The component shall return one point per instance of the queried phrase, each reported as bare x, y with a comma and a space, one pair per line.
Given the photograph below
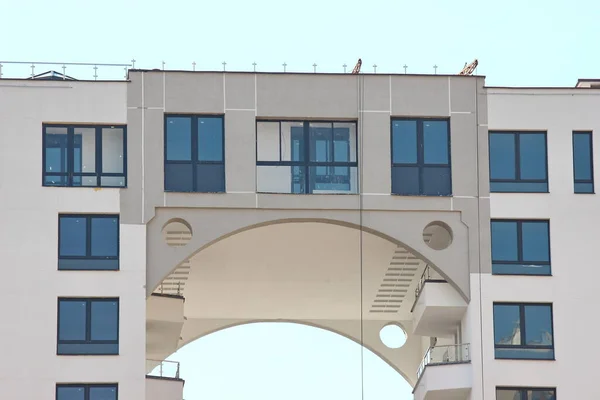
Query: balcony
445, 374
438, 307
163, 382
164, 321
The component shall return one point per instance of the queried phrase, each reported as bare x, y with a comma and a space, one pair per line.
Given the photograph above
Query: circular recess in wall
437, 235
177, 232
393, 336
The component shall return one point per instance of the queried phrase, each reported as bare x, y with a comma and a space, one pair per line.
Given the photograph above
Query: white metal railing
67, 70
164, 368
448, 354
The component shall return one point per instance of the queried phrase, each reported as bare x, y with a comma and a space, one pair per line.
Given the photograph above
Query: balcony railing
67, 71
164, 369
441, 355
429, 275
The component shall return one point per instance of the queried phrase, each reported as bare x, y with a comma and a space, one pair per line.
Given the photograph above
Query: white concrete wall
29, 212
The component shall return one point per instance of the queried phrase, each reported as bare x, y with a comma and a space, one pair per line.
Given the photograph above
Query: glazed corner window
583, 162
92, 156
314, 157
88, 242
421, 157
86, 392
525, 394
520, 247
523, 331
194, 154
518, 162
88, 326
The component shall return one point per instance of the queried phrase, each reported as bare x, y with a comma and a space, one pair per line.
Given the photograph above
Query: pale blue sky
517, 42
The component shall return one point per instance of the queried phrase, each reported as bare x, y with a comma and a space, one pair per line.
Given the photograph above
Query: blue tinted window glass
103, 393
321, 140
179, 139
210, 139
535, 237
507, 327
435, 142
210, 178
540, 395
533, 155
584, 188
436, 181
70, 393
538, 325
72, 237
105, 320
404, 140
582, 156
56, 151
502, 156
341, 145
405, 180
72, 320
105, 237
504, 241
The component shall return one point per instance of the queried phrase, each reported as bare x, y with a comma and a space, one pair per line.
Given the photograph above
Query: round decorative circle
437, 235
177, 232
393, 336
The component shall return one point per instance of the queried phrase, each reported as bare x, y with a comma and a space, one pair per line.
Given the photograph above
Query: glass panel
280, 179
103, 393
292, 141
504, 241
72, 320
321, 142
519, 187
499, 268
508, 394
72, 236
404, 140
105, 236
344, 134
88, 348
179, 177
502, 156
333, 179
84, 150
538, 325
533, 155
210, 178
535, 237
70, 393
54, 180
584, 188
524, 353
113, 158
112, 181
179, 139
56, 150
105, 320
405, 181
507, 325
436, 181
541, 395
210, 139
267, 141
582, 162
435, 142
88, 264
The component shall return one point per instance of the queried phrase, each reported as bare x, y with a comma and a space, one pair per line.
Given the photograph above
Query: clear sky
517, 42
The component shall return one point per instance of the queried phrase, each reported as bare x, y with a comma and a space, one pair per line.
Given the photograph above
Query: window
583, 160
518, 162
89, 156
525, 394
306, 157
88, 326
523, 331
194, 154
521, 247
421, 157
88, 242
86, 392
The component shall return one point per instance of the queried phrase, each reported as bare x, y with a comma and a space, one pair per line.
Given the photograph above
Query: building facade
175, 204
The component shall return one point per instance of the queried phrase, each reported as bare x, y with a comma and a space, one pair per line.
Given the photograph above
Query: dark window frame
591, 150
523, 331
523, 390
194, 162
88, 326
88, 242
306, 163
70, 156
518, 179
420, 164
520, 260
86, 387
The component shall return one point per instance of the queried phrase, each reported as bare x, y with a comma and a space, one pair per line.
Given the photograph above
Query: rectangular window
520, 247
525, 394
421, 157
86, 391
523, 331
194, 154
518, 162
91, 156
583, 162
306, 157
88, 326
88, 242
